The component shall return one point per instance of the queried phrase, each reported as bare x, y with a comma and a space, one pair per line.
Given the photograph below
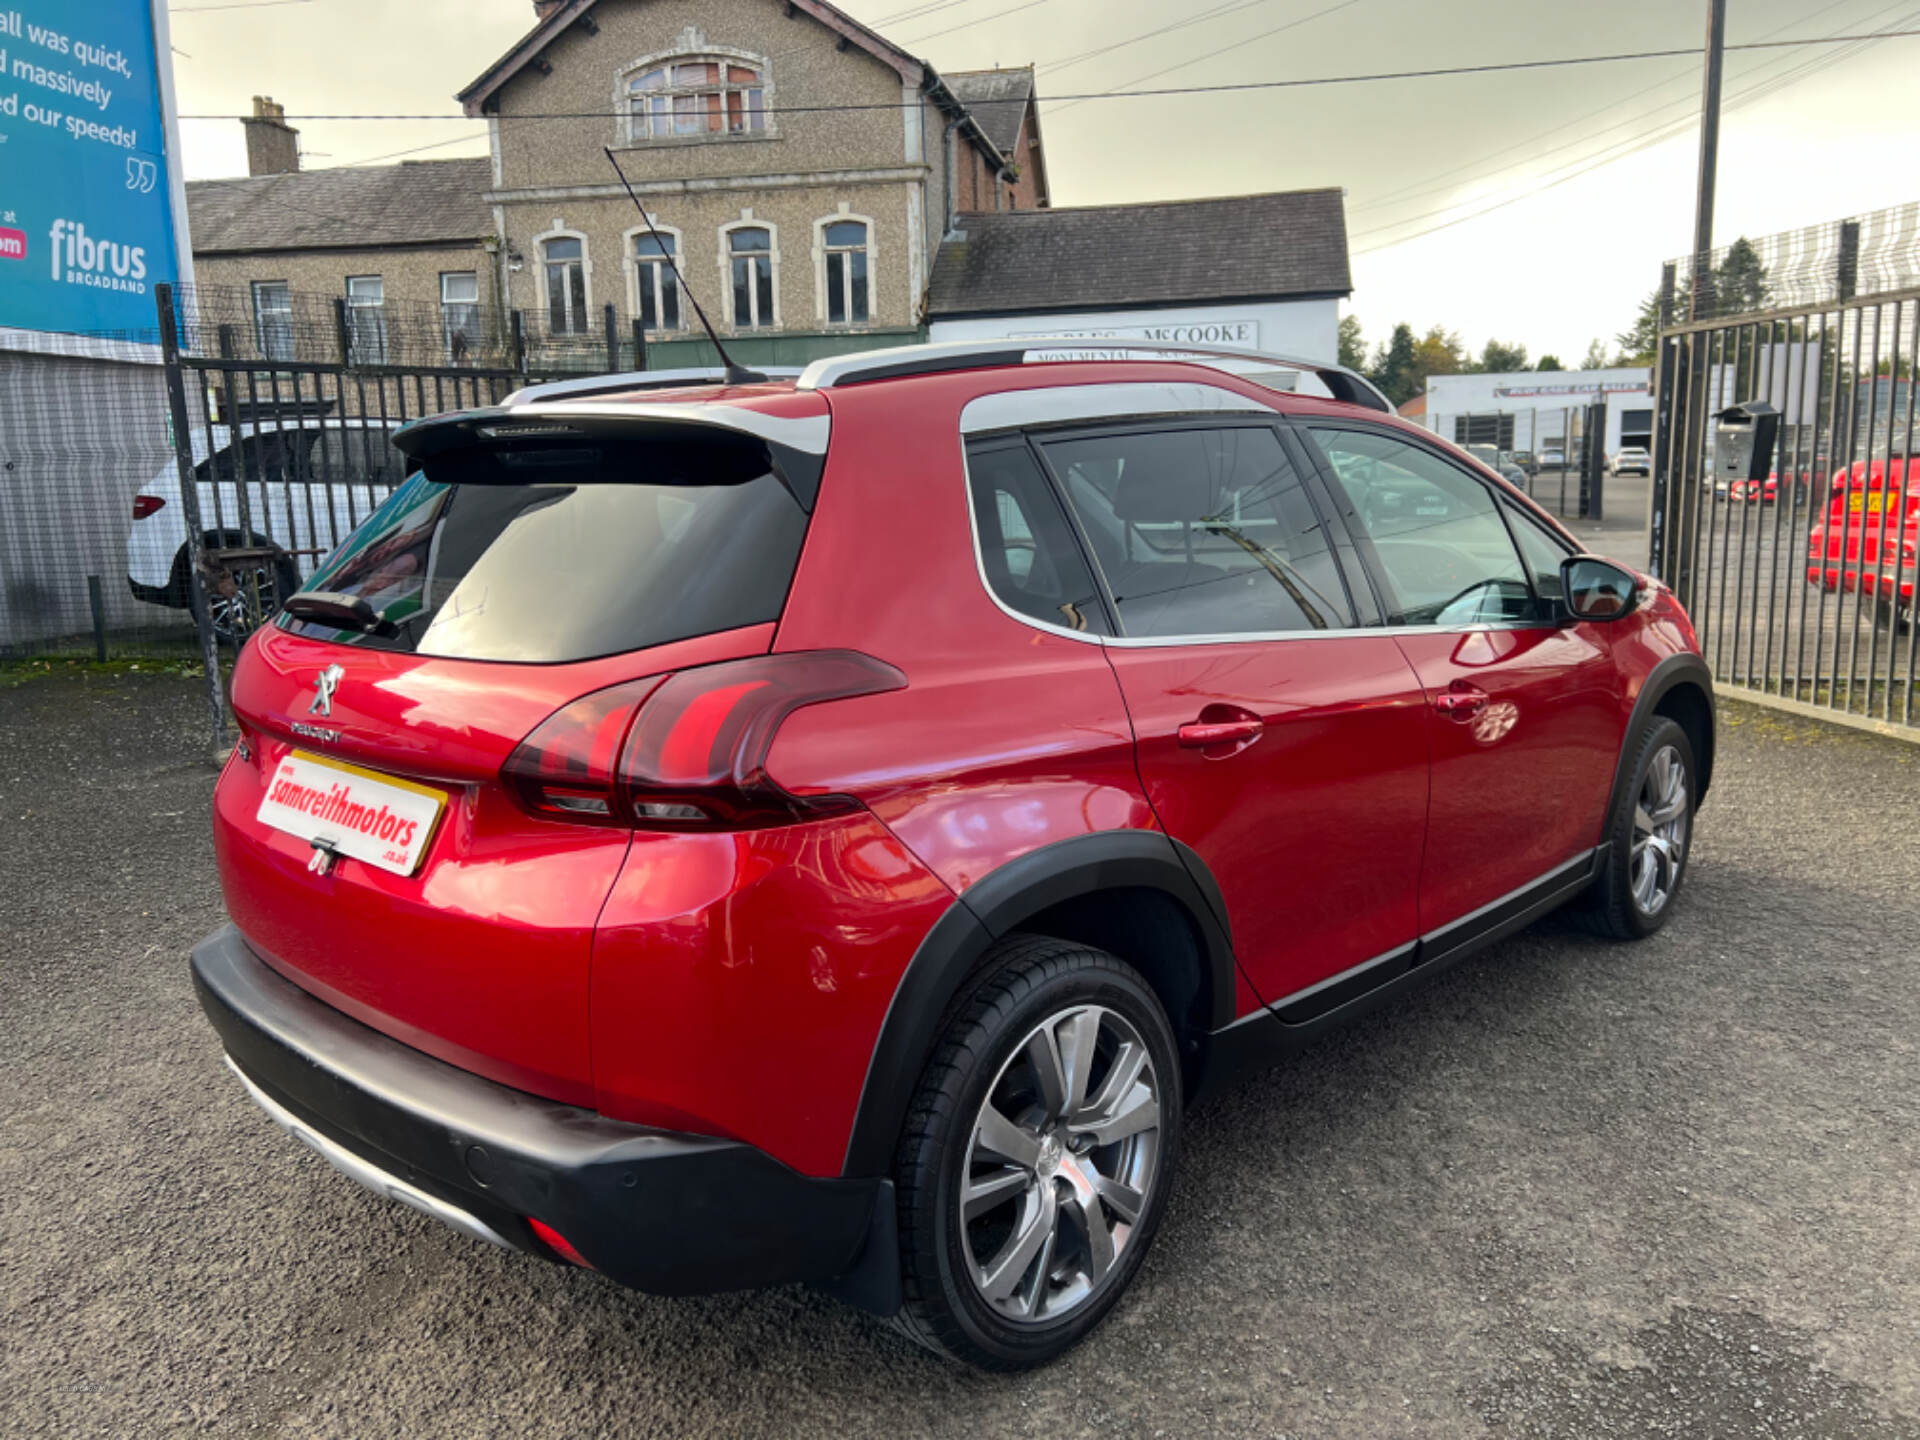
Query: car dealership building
1533, 409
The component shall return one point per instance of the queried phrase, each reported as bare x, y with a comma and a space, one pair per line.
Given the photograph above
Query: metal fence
1555, 454
83, 430
165, 491
1877, 253
1801, 585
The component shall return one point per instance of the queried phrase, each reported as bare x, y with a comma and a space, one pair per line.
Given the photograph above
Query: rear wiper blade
345, 612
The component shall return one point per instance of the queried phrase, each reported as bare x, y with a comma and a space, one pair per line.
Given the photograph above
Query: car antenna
736, 375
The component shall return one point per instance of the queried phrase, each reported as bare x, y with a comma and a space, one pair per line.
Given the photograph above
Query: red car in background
830, 831
1869, 542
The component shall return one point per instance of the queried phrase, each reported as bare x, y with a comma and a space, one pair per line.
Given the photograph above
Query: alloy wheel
254, 600
1061, 1164
1659, 831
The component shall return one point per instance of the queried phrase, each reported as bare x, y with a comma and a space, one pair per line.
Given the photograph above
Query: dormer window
697, 95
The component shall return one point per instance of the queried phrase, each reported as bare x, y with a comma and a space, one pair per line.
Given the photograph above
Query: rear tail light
145, 505
688, 752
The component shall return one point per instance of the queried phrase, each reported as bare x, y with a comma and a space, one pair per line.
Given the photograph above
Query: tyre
1651, 830
246, 594
1037, 1156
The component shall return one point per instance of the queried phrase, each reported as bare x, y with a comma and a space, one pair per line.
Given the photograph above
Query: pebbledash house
819, 188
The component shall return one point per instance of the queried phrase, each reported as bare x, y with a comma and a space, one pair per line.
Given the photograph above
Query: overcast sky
1809, 134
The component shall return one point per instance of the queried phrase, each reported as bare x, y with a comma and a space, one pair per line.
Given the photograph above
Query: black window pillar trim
997, 906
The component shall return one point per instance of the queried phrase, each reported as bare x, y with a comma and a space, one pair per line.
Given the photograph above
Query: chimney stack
273, 146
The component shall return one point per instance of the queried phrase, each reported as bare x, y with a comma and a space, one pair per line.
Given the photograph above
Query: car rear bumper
664, 1212
168, 595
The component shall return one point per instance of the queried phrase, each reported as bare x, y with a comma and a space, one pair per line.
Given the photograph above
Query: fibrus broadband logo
79, 259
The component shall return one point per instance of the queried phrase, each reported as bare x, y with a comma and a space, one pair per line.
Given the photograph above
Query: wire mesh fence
83, 431
1800, 583
1825, 264
142, 519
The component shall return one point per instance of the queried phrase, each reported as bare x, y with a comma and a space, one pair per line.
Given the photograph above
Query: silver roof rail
634, 380
904, 360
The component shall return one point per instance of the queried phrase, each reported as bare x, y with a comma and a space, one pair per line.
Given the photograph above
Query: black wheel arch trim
996, 906
1682, 669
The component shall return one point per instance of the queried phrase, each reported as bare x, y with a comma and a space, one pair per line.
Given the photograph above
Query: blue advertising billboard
87, 195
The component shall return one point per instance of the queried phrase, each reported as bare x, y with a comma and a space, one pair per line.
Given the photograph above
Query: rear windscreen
550, 557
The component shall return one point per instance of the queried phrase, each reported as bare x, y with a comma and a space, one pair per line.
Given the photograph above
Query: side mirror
1597, 589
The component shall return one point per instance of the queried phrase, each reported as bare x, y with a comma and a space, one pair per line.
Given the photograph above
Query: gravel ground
1573, 1189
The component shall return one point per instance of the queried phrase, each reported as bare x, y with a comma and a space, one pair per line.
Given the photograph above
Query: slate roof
408, 204
998, 100
1242, 247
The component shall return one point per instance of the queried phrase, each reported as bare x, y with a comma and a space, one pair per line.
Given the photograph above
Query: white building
1533, 409
1257, 272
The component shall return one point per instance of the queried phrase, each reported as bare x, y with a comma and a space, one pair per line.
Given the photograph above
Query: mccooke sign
1241, 334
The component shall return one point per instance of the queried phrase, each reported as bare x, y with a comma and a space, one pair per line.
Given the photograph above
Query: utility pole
1709, 157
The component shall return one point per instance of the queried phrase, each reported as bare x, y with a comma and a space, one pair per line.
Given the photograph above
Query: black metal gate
280, 456
1801, 585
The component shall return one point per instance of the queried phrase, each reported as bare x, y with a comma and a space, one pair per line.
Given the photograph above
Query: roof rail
904, 360
633, 380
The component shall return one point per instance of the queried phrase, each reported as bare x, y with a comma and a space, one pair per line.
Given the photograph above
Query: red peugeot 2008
830, 831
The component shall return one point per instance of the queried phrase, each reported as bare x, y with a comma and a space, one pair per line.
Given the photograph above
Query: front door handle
1460, 701
1199, 734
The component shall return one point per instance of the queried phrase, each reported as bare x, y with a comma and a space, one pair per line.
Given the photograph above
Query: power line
1621, 149
1239, 87
981, 20
1236, 45
1632, 144
414, 150
1215, 13
1427, 186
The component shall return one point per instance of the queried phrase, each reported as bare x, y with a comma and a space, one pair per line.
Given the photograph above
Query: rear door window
569, 552
1202, 531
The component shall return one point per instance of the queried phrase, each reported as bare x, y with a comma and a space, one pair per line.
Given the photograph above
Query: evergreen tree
1353, 346
1740, 280
1549, 362
1640, 341
1393, 366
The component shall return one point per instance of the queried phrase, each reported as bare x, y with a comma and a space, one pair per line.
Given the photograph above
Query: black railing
1801, 584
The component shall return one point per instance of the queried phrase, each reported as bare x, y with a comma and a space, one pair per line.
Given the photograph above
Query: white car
1553, 459
1632, 460
306, 482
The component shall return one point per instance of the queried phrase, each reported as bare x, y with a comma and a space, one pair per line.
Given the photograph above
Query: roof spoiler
635, 380
796, 445
827, 374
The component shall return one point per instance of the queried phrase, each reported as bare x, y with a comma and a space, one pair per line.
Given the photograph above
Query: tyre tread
1020, 965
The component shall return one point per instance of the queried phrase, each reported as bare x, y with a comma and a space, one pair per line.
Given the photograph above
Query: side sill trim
1264, 1036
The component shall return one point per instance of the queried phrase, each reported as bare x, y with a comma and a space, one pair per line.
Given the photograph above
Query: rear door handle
1198, 734
1461, 701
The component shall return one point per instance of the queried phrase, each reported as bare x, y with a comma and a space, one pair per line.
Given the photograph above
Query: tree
1438, 352
1393, 366
1596, 356
1740, 280
1640, 341
1353, 346
1499, 359
1549, 362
